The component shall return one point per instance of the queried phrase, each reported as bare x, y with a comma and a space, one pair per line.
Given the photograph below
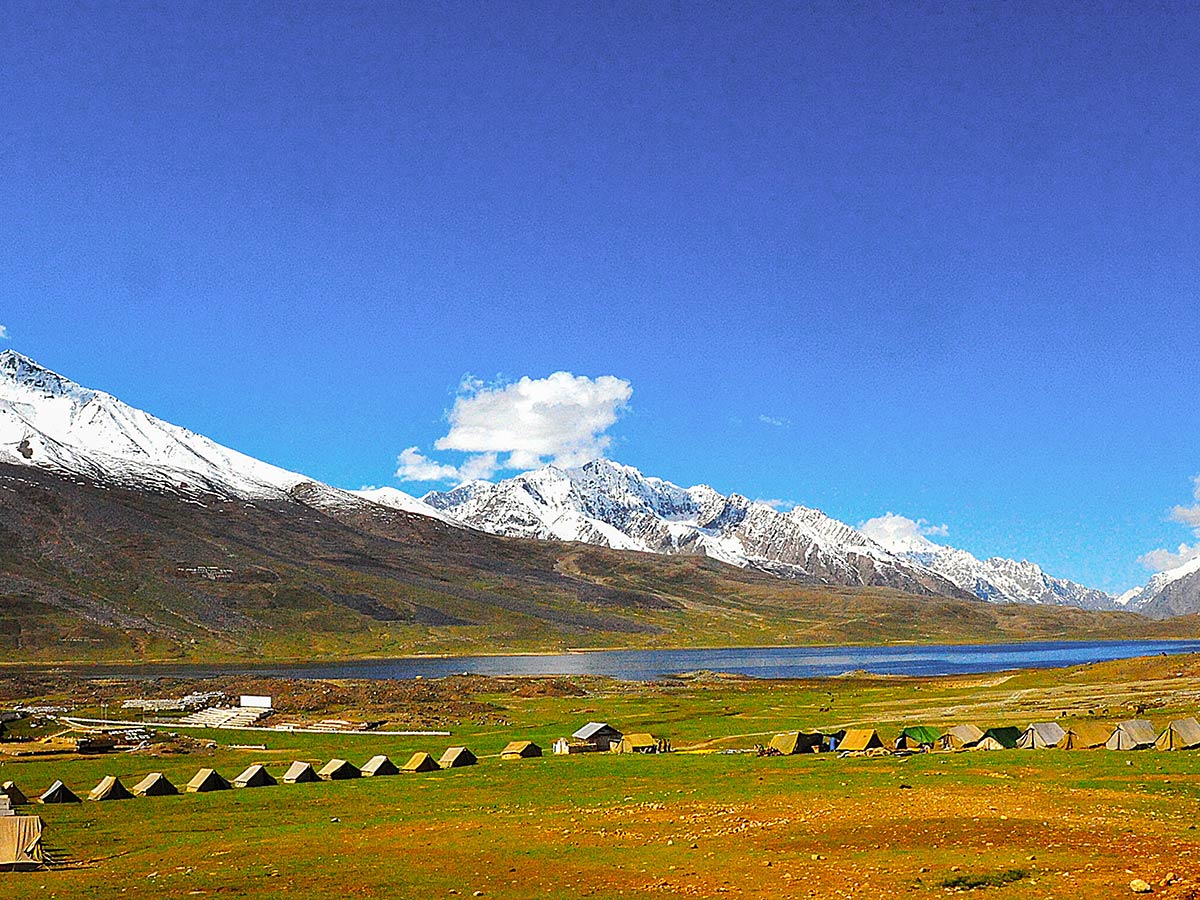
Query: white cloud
900, 533
3, 332
1161, 560
781, 505
414, 466
776, 421
562, 419
1190, 515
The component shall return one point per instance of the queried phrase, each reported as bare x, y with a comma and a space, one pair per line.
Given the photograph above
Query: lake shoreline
768, 663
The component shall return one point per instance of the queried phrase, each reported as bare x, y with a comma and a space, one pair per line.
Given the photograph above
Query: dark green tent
1000, 738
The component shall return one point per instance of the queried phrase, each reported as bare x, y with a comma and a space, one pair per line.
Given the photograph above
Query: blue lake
758, 662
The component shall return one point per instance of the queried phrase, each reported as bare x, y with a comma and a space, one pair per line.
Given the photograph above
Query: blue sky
868, 257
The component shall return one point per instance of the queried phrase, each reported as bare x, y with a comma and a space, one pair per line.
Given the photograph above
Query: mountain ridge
48, 421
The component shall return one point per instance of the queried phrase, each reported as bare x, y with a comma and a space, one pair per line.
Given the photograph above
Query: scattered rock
1140, 887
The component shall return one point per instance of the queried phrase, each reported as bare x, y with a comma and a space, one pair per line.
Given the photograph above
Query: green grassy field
1035, 823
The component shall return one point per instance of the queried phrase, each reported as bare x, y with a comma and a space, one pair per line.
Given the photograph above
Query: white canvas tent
1041, 736
156, 784
1182, 734
21, 843
1133, 734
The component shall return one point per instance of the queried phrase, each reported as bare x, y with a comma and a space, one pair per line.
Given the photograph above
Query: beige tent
339, 770
255, 776
520, 750
58, 793
15, 795
785, 744
206, 780
300, 773
644, 742
1041, 736
1134, 734
1182, 734
20, 842
109, 788
379, 765
860, 740
420, 762
456, 758
960, 737
155, 785
1085, 736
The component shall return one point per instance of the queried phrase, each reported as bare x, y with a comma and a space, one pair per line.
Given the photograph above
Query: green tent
918, 737
1004, 738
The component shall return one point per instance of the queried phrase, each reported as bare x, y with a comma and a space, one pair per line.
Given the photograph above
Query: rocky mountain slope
996, 579
616, 506
1175, 592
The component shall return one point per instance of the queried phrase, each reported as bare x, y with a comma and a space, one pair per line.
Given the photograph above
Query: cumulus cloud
898, 532
776, 421
1161, 560
561, 419
3, 332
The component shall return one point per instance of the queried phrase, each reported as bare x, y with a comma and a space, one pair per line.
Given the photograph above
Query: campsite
711, 817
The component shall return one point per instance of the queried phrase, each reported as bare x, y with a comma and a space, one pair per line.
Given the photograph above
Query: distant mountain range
613, 505
49, 422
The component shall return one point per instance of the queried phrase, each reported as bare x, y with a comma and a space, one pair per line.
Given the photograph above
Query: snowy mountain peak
607, 503
49, 421
20, 374
996, 579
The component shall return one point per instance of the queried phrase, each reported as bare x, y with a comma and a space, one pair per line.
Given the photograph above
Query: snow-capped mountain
51, 422
1175, 592
996, 579
617, 506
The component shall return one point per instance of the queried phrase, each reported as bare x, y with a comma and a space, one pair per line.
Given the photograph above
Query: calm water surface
759, 662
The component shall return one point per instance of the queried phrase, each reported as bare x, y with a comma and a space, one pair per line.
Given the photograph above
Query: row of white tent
156, 784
